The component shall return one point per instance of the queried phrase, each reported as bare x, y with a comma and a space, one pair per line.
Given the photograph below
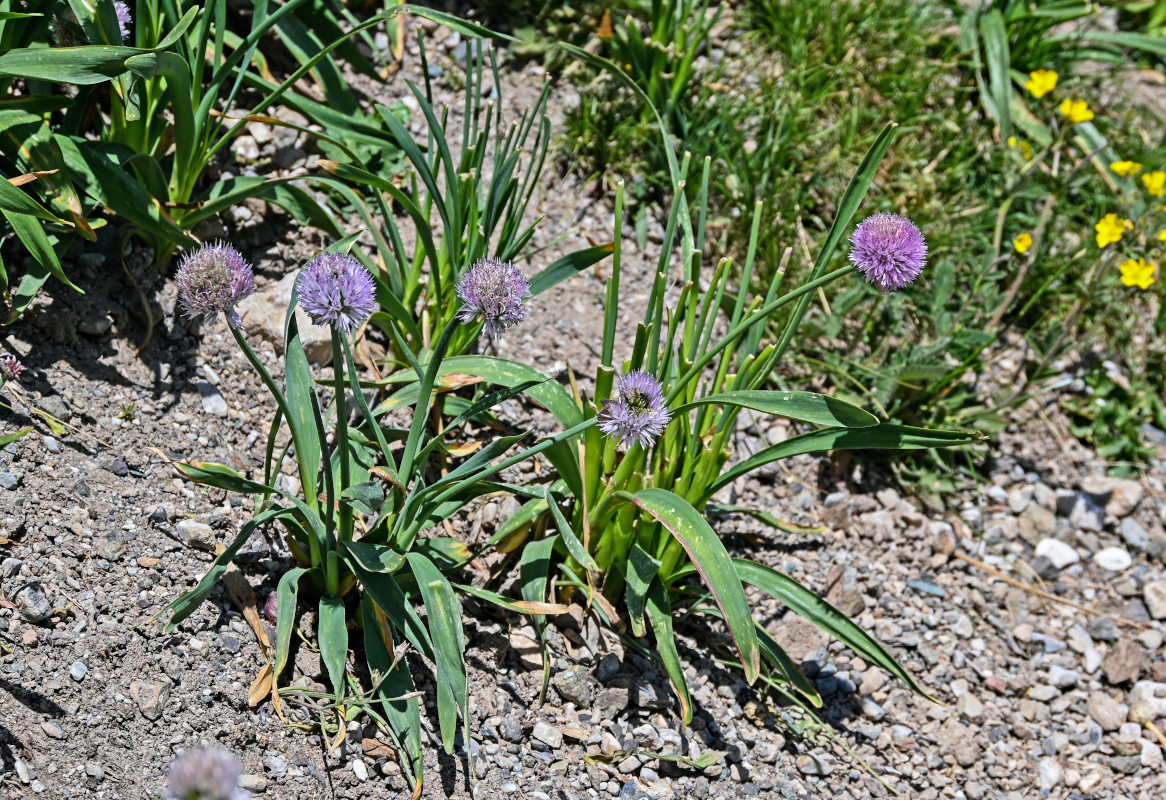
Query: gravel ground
1037, 697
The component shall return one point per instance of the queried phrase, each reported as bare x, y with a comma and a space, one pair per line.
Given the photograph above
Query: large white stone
1057, 552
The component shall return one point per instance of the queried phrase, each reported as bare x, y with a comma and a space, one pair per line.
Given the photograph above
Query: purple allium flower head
337, 290
206, 775
496, 290
10, 368
639, 415
214, 278
888, 250
271, 608
124, 18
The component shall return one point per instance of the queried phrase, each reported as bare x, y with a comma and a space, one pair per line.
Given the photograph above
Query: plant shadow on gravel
33, 701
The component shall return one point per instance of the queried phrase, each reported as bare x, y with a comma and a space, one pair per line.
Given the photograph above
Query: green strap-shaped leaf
445, 626
887, 436
780, 661
808, 605
660, 615
404, 715
388, 596
332, 635
641, 571
372, 557
517, 606
570, 540
812, 407
286, 597
36, 241
712, 561
568, 266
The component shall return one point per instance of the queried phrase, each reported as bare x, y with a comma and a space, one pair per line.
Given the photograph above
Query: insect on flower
639, 415
889, 251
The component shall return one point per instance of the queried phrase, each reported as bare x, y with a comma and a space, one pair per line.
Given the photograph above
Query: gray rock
1043, 693
151, 697
8, 478
1103, 628
1105, 711
32, 603
510, 729
1114, 559
576, 686
1124, 662
196, 534
811, 764
1035, 523
253, 783
1057, 552
1063, 678
213, 402
1134, 534
96, 325
1154, 596
1119, 496
52, 730
870, 709
1083, 512
360, 770
1049, 773
10, 566
78, 671
548, 735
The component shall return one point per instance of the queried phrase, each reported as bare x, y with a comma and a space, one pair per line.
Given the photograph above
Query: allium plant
354, 532
628, 531
214, 278
494, 291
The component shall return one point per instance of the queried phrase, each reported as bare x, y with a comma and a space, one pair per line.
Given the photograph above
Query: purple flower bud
206, 775
888, 250
124, 18
10, 368
337, 290
495, 290
214, 278
639, 415
271, 608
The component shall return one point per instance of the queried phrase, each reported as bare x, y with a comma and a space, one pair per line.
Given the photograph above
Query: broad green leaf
814, 609
404, 715
9, 438
389, 597
996, 51
36, 241
641, 571
303, 406
818, 409
84, 66
221, 477
886, 436
332, 634
711, 560
660, 616
568, 266
372, 557
445, 552
445, 626
13, 199
287, 598
570, 540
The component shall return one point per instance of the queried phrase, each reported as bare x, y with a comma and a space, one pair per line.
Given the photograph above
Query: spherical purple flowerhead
888, 250
495, 290
124, 18
214, 278
639, 415
206, 775
337, 290
10, 368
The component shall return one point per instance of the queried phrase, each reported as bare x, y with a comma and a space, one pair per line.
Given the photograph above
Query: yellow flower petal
1076, 111
1110, 229
1138, 273
1126, 169
1041, 82
1155, 182
1022, 243
1162, 235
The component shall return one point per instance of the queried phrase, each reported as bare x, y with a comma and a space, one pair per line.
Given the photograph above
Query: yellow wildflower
1138, 273
1155, 182
1077, 111
1022, 243
1024, 147
1041, 82
1162, 235
1110, 229
1126, 169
